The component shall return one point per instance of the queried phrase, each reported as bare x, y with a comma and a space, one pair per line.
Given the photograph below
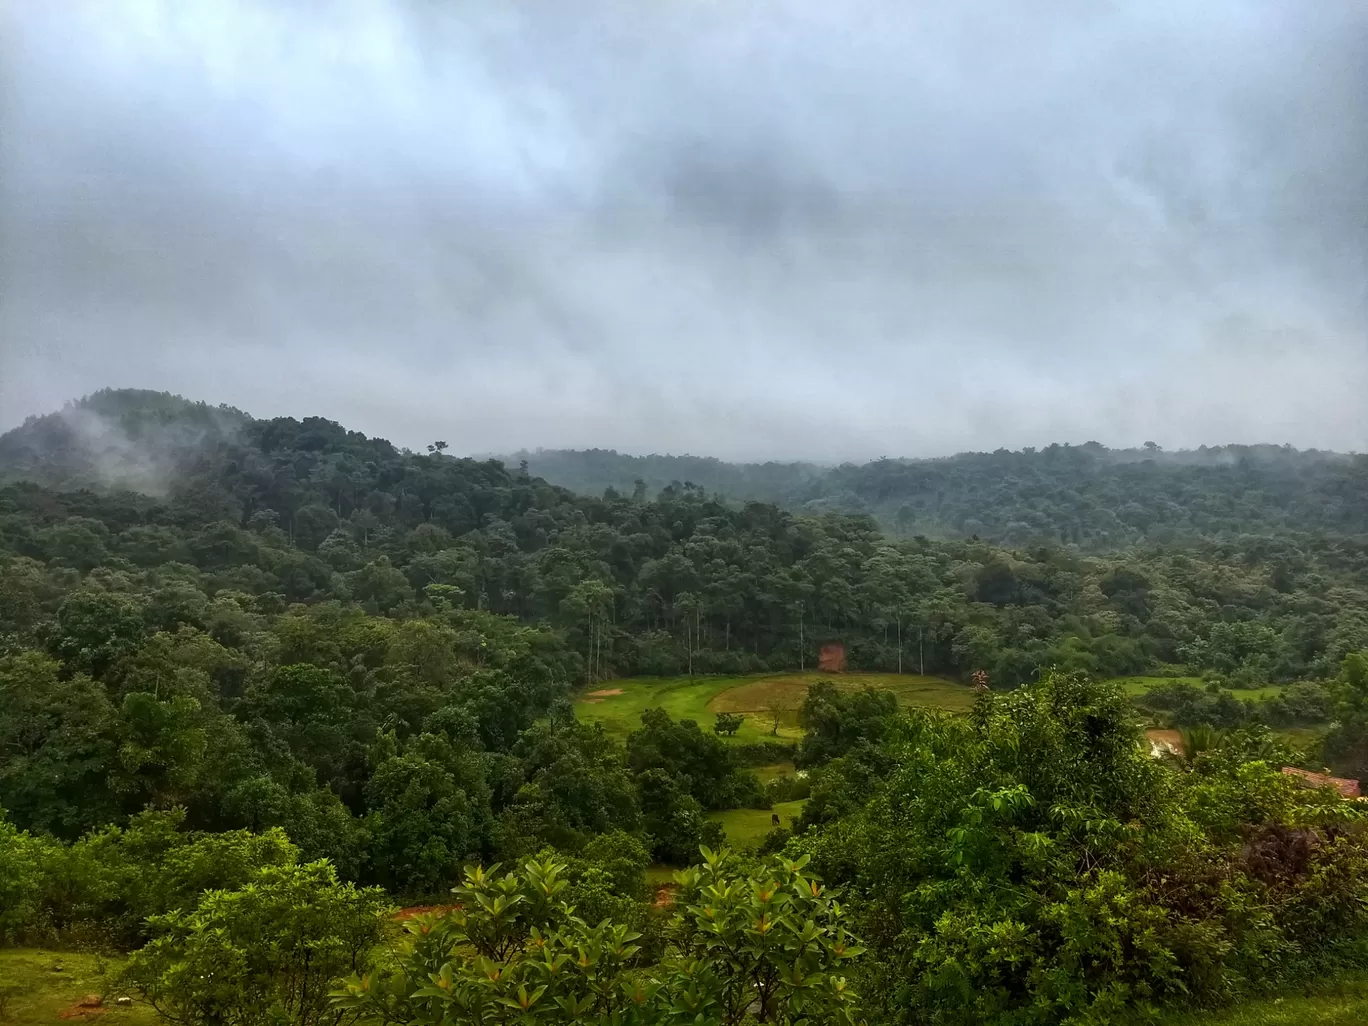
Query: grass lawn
746, 828
658, 875
1344, 1003
38, 994
1135, 686
774, 770
618, 704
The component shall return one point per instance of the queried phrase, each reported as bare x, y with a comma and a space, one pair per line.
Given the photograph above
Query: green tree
728, 723
265, 953
766, 942
95, 629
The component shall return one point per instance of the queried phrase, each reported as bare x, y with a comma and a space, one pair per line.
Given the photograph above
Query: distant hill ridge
1085, 495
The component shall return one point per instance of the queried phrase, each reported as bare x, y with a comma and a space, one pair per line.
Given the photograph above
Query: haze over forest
777, 230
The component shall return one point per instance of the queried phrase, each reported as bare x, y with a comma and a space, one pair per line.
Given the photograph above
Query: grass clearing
658, 875
35, 992
1342, 1003
1137, 686
774, 770
746, 828
755, 697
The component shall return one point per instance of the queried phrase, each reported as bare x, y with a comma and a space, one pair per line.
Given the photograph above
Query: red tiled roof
1348, 788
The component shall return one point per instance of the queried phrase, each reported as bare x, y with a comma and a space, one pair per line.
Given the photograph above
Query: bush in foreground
764, 941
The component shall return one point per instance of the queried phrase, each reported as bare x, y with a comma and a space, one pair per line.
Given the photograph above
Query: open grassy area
618, 704
746, 828
1341, 1003
1136, 686
774, 770
39, 988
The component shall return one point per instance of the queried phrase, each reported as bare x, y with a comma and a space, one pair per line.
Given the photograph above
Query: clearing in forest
38, 988
746, 828
619, 707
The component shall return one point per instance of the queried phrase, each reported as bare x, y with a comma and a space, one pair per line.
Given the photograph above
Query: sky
753, 229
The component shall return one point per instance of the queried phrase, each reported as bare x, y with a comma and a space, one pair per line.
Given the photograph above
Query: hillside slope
1090, 496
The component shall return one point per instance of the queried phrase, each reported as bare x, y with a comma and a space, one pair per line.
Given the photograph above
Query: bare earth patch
91, 1004
605, 693
665, 895
760, 695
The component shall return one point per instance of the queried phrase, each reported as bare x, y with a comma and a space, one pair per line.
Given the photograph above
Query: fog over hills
161, 445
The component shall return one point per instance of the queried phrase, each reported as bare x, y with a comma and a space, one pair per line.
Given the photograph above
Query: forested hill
117, 438
594, 471
284, 511
1088, 495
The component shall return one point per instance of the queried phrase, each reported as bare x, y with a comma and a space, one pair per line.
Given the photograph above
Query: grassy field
773, 770
1135, 686
618, 704
746, 828
1343, 1003
39, 988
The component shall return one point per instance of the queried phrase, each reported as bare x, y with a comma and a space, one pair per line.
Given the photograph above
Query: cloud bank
768, 228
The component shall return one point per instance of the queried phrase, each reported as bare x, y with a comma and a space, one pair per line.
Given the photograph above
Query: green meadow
618, 704
1136, 686
746, 828
38, 988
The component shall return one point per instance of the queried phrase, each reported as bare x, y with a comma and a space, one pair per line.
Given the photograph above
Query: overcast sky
745, 228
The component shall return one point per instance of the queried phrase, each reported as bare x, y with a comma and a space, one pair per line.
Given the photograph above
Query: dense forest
1085, 496
266, 675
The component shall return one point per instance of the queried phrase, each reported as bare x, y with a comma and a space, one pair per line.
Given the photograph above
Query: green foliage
24, 864
293, 642
1346, 746
575, 785
101, 889
1032, 864
1085, 494
430, 806
728, 723
766, 941
835, 722
672, 818
266, 952
703, 764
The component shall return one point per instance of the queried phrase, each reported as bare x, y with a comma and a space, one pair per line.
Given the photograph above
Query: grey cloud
771, 228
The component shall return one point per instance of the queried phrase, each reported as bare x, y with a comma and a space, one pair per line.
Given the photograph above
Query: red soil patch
605, 693
831, 657
1347, 788
91, 1004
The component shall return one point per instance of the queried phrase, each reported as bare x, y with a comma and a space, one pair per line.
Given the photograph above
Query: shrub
1031, 864
765, 941
265, 953
24, 861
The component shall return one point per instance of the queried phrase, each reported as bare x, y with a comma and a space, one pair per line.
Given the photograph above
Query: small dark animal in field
774, 819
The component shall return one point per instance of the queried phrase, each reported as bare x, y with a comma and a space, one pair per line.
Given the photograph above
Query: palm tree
1193, 741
